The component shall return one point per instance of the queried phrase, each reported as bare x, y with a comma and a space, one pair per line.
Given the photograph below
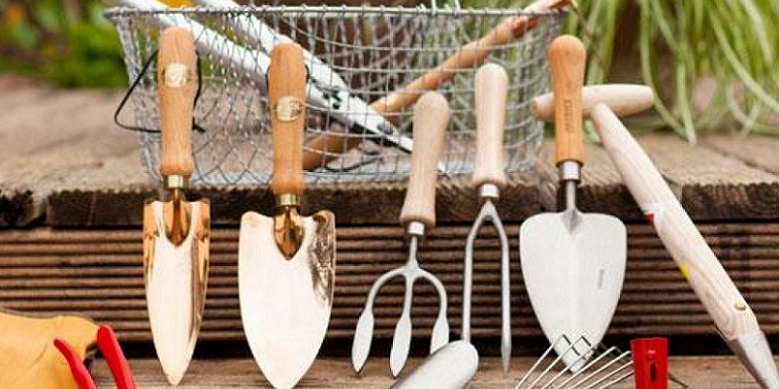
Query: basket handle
176, 64
287, 96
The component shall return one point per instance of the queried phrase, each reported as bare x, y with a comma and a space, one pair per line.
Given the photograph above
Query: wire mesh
375, 50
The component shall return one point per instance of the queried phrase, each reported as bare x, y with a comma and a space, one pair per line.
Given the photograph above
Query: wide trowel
573, 263
286, 263
176, 231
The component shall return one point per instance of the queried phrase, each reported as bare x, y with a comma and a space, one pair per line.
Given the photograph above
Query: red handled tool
112, 352
650, 362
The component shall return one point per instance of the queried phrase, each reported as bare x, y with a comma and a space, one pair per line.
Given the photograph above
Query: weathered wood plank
754, 150
695, 372
710, 185
98, 273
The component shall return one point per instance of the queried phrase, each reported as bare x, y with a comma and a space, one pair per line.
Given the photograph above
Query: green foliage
69, 43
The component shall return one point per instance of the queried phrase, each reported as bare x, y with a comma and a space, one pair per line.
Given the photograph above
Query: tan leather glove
28, 358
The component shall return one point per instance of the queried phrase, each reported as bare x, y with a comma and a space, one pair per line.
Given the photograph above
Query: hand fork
431, 116
491, 87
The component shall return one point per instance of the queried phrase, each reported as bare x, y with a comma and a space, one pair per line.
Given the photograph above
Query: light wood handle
287, 103
176, 78
490, 92
431, 117
468, 57
622, 99
697, 262
567, 57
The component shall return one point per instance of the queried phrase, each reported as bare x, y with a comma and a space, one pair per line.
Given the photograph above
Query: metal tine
605, 367
572, 346
608, 376
617, 380
583, 357
590, 364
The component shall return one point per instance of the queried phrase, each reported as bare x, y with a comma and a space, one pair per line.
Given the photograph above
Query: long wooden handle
286, 100
431, 116
622, 99
567, 57
490, 92
325, 148
176, 78
697, 262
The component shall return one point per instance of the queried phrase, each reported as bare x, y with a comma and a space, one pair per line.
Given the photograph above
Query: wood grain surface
99, 273
696, 372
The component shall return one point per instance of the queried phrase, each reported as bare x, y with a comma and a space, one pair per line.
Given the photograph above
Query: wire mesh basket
364, 53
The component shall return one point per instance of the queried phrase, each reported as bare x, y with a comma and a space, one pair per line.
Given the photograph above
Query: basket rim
331, 11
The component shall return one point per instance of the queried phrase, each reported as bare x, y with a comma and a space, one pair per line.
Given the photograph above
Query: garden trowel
176, 231
573, 263
286, 263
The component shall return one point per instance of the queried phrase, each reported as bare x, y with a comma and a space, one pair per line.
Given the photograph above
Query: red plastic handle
112, 352
77, 368
650, 362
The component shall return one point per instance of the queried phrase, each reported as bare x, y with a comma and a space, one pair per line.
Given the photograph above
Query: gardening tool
112, 352
450, 367
326, 147
573, 263
650, 362
431, 116
176, 231
324, 90
286, 263
732, 316
491, 88
623, 99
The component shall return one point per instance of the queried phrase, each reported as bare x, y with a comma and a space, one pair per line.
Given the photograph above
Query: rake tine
617, 380
539, 361
568, 368
588, 365
601, 369
558, 359
609, 375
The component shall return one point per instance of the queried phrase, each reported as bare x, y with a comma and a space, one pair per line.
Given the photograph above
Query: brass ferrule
175, 182
287, 200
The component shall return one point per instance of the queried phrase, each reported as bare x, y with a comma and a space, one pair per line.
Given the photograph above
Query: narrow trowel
176, 231
286, 263
573, 263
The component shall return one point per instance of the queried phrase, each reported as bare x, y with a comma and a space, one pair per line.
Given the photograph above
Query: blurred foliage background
713, 64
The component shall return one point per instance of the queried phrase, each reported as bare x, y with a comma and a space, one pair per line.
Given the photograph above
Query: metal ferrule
569, 171
175, 182
489, 191
415, 229
287, 200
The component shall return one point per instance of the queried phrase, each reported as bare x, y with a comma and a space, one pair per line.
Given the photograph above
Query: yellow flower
178, 3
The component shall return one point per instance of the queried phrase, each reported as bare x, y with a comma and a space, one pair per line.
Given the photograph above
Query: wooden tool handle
567, 57
286, 100
622, 99
490, 92
176, 78
697, 262
431, 117
325, 148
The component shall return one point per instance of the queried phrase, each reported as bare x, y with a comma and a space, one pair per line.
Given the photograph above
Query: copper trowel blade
286, 303
176, 278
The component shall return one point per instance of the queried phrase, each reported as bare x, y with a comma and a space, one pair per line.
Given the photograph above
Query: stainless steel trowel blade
574, 265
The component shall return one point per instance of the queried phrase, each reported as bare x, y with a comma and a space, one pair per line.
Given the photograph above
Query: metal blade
363, 335
176, 278
574, 267
286, 303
